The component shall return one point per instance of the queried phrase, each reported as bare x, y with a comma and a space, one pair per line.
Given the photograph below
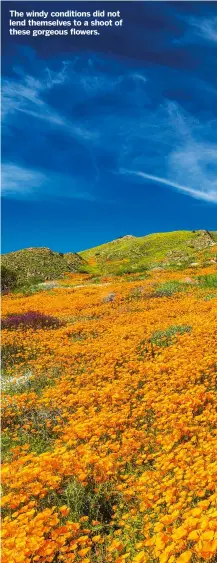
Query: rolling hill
39, 264
129, 253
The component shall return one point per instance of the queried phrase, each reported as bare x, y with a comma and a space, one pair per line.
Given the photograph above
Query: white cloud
177, 154
158, 142
139, 77
21, 181
197, 164
52, 78
24, 182
207, 196
26, 96
205, 28
25, 93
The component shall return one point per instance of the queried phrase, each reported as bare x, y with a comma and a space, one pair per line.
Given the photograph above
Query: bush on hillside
167, 289
8, 279
166, 337
209, 281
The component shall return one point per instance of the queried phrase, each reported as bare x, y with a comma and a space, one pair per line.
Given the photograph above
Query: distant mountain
40, 264
129, 253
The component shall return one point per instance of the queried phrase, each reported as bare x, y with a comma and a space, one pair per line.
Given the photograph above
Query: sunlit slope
173, 250
213, 235
178, 248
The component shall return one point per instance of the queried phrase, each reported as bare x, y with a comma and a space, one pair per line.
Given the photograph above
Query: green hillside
213, 235
129, 253
124, 255
33, 265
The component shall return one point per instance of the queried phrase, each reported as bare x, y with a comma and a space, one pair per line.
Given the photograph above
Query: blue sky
110, 135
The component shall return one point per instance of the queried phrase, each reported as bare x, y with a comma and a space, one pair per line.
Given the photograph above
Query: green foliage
25, 269
11, 354
210, 296
38, 443
208, 281
130, 269
161, 339
6, 445
27, 289
8, 278
181, 266
94, 502
164, 338
135, 294
168, 289
168, 250
34, 265
213, 234
95, 279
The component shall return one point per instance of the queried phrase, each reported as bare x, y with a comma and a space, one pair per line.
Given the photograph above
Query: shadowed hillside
39, 264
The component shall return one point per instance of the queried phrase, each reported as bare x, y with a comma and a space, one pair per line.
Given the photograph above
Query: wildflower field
109, 420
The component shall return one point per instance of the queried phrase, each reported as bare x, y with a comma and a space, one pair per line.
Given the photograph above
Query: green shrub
165, 338
27, 289
136, 293
169, 288
94, 502
131, 269
208, 281
95, 279
124, 270
210, 296
8, 278
12, 354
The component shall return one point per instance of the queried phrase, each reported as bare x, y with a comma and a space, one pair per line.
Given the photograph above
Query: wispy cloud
97, 120
24, 92
207, 196
25, 95
180, 153
205, 28
21, 182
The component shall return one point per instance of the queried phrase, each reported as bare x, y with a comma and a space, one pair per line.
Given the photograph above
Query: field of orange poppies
109, 423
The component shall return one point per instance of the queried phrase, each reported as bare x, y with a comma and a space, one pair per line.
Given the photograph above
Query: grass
27, 289
164, 338
39, 437
94, 502
161, 339
169, 288
175, 250
39, 443
128, 255
14, 354
28, 382
208, 281
213, 235
210, 296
